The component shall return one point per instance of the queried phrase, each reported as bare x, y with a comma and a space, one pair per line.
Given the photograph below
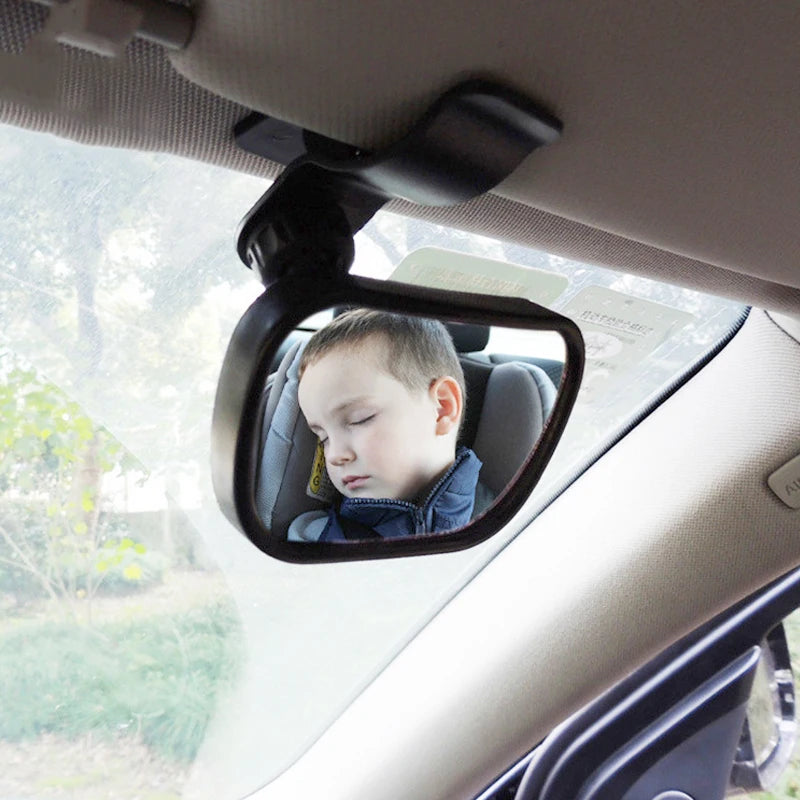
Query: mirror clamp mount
298, 225
470, 140
300, 238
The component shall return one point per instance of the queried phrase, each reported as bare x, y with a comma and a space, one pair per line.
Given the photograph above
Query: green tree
52, 462
108, 262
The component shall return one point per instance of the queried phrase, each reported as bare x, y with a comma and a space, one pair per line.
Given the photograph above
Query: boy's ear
446, 393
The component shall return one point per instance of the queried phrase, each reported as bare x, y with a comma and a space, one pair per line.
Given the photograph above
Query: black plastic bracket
470, 140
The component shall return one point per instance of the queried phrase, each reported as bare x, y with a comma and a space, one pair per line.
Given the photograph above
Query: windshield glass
146, 648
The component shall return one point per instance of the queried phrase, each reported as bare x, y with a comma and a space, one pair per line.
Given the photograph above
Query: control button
785, 482
673, 794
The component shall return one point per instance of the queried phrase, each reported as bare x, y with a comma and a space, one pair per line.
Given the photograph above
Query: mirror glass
381, 425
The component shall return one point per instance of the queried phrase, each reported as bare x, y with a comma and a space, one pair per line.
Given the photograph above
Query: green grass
155, 679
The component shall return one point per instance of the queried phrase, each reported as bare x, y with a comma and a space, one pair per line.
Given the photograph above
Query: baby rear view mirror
398, 428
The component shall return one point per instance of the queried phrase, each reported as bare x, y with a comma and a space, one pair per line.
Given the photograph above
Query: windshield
146, 648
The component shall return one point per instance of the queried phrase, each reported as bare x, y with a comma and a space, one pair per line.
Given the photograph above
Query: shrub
156, 679
134, 572
53, 463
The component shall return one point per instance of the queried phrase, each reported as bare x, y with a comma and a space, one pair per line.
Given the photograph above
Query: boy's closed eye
362, 420
323, 439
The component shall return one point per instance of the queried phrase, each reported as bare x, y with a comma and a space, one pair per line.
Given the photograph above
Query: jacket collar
448, 506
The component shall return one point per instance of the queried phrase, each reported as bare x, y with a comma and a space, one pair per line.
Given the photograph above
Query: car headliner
681, 121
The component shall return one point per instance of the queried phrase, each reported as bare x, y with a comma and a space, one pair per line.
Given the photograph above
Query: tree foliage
54, 537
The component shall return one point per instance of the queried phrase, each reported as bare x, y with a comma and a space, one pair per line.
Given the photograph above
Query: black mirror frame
238, 410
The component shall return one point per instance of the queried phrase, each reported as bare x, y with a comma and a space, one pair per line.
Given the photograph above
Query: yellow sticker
319, 484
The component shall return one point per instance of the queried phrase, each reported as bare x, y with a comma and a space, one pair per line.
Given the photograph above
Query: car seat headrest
288, 449
468, 338
516, 404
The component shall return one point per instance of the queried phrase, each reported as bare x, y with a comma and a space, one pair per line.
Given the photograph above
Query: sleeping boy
385, 395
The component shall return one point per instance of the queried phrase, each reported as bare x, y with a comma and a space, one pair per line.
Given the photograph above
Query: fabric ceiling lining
142, 102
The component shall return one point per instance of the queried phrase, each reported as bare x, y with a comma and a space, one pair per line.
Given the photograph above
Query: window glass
769, 726
146, 648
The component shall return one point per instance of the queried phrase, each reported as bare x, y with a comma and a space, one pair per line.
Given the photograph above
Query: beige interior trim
567, 585
504, 219
791, 324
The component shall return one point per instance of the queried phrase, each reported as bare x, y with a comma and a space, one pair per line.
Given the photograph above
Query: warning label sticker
319, 484
619, 332
459, 272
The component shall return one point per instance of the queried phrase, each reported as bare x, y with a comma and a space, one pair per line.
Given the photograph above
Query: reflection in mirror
380, 425
770, 727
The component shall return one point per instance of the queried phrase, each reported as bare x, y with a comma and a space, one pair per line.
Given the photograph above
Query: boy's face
381, 440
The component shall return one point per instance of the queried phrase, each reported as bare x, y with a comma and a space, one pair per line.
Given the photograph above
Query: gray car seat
507, 406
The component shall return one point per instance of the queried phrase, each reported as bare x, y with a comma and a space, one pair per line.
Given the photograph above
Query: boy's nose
339, 453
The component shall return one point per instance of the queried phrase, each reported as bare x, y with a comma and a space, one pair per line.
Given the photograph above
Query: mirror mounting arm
469, 141
299, 225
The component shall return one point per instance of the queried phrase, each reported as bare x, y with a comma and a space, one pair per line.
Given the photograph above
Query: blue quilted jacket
449, 506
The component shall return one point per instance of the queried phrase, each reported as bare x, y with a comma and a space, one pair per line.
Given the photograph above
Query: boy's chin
364, 494
369, 493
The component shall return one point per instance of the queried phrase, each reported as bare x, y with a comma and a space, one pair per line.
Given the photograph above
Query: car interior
657, 537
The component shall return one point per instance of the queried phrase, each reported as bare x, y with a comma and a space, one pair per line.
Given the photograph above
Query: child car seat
507, 407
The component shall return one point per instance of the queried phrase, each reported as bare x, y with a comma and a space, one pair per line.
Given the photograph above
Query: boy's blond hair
417, 351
